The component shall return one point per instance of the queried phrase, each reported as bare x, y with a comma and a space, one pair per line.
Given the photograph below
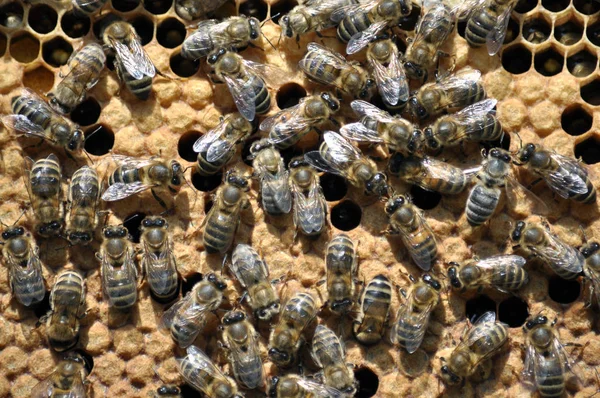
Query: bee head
76, 141
500, 155
13, 232
215, 56
526, 153
50, 229
415, 142
298, 162
273, 389
377, 185
254, 28
168, 390
417, 109
258, 146
218, 283
236, 180
537, 321
587, 251
233, 317
428, 279
177, 172
332, 102
117, 231
405, 7
450, 377
396, 162
516, 234
279, 357
453, 275
415, 71
394, 204
366, 91
79, 237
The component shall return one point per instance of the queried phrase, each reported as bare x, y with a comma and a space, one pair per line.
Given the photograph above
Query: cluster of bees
463, 114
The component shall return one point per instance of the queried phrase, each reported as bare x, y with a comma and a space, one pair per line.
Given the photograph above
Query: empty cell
536, 30
254, 8
586, 7
39, 80
158, 7
346, 215
524, 6
582, 64
517, 59
206, 183
132, 223
170, 33
3, 43
183, 67
590, 93
57, 51
144, 27
555, 5
588, 151
289, 95
409, 22
86, 113
334, 187
75, 26
42, 18
24, 47
185, 146
548, 62
99, 140
563, 291
424, 199
593, 33
478, 306
576, 121
125, 5
512, 31
11, 15
568, 33
368, 382
513, 311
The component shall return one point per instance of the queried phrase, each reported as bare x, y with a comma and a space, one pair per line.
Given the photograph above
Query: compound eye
55, 225
147, 223
160, 222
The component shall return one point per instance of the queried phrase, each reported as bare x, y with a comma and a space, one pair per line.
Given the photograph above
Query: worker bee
187, 317
33, 117
310, 16
536, 240
310, 207
158, 261
166, 391
504, 272
330, 68
337, 155
67, 302
377, 126
195, 9
275, 191
24, 267
591, 268
383, 58
252, 273
329, 354
241, 339
375, 303
67, 380
413, 316
85, 67
42, 181
448, 94
202, 374
216, 148
294, 386
286, 337
428, 173
289, 125
223, 219
564, 175
87, 8
487, 23
481, 342
82, 201
340, 263
406, 219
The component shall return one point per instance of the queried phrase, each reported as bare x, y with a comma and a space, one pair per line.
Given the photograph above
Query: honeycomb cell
536, 30
144, 28
516, 59
289, 95
75, 26
281, 7
125, 5
43, 307
86, 113
24, 47
563, 291
42, 18
57, 51
334, 187
425, 200
3, 43
11, 15
255, 8
524, 6
548, 62
582, 64
593, 33
132, 223
586, 7
512, 31
478, 306
206, 183
99, 140
568, 33
40, 80
588, 150
158, 7
346, 215
409, 23
183, 67
590, 93
170, 33
513, 311
368, 382
185, 146
576, 121
555, 5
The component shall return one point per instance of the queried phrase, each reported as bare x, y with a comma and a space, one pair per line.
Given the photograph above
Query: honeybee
286, 337
536, 240
428, 173
222, 220
504, 272
67, 380
158, 261
481, 342
275, 191
82, 201
310, 207
487, 23
241, 339
167, 391
406, 219
310, 16
329, 354
383, 58
294, 386
377, 126
330, 68
591, 269
564, 175
67, 302
85, 67
252, 273
87, 7
202, 374
187, 317
340, 263
338, 156
21, 257
375, 303
216, 148
33, 117
413, 316
475, 123
289, 125
195, 9
42, 181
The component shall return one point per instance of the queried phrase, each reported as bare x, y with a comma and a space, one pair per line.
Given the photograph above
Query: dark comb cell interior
42, 18
158, 7
590, 93
3, 43
11, 15
125, 5
576, 121
280, 8
424, 199
144, 28
512, 31
582, 64
24, 48
334, 187
206, 183
170, 33
586, 7
183, 67
43, 307
39, 80
516, 59
588, 150
208, 204
563, 291
555, 5
593, 33
246, 150
185, 146
254, 8
478, 306
368, 382
188, 284
568, 33
75, 26
549, 62
57, 51
99, 140
86, 113
536, 30
346, 215
503, 142
513, 311
524, 6
132, 223
88, 360
187, 391
409, 23
289, 95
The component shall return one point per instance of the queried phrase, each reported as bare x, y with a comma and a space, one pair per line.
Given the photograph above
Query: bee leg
438, 75
534, 183
161, 202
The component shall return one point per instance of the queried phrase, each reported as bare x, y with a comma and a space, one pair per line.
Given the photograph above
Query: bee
481, 342
203, 375
330, 68
406, 219
340, 263
286, 337
67, 302
252, 273
448, 94
21, 257
187, 317
329, 354
377, 126
67, 380
235, 33
87, 8
338, 156
216, 148
158, 261
310, 16
289, 125
375, 303
591, 268
222, 220
564, 175
275, 191
294, 386
117, 266
413, 316
241, 339
133, 65
167, 391
82, 201
384, 61
360, 23
42, 181
475, 123
310, 207
504, 272
487, 23
85, 67
195, 9
33, 117
534, 239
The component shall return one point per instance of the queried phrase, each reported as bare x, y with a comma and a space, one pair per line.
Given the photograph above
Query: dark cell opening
563, 291
188, 284
582, 64
24, 48
254, 8
99, 140
11, 15
158, 7
289, 153
185, 146
536, 30
170, 33
110, 61
42, 18
549, 62
187, 391
409, 22
346, 215
513, 311
40, 80
423, 199
289, 95
125, 5
57, 51
368, 383
102, 23
516, 59
593, 33
132, 223
503, 142
42, 308
88, 360
208, 204
206, 183
246, 150
75, 26
568, 33
281, 8
183, 67
512, 31
86, 113
555, 5
588, 150
575, 120
478, 306
587, 7
524, 6
144, 28
3, 43
334, 187
590, 93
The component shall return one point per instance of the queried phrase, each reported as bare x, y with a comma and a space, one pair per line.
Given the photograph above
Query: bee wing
365, 108
495, 38
318, 390
134, 58
391, 80
465, 8
200, 41
566, 178
108, 273
502, 259
201, 363
243, 96
43, 389
529, 363
516, 193
77, 390
360, 40
566, 360
286, 124
169, 315
120, 190
244, 266
438, 169
340, 149
128, 161
359, 132
272, 75
268, 123
279, 187
353, 9
471, 116
309, 210
408, 237
418, 324
594, 277
23, 125
91, 182
560, 254
203, 143
26, 277
437, 10
461, 81
157, 267
477, 330
332, 58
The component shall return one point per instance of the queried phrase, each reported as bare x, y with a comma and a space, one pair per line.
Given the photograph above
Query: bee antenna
269, 19
269, 41
93, 132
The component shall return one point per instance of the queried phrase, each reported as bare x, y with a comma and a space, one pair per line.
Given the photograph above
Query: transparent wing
472, 118
438, 18
353, 9
317, 161
90, 182
495, 37
43, 389
134, 58
566, 179
559, 254
503, 259
23, 125
200, 41
359, 132
318, 390
460, 81
479, 328
287, 124
203, 143
242, 92
529, 363
157, 267
26, 278
516, 193
120, 190
594, 276
328, 56
340, 150
169, 315
412, 239
279, 188
391, 80
201, 363
465, 8
128, 161
280, 117
566, 360
309, 210
417, 322
272, 75
365, 108
361, 39
108, 273
438, 169
247, 266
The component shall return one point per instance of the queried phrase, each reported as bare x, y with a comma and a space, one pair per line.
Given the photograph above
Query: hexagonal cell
516, 59
24, 47
42, 18
3, 43
289, 95
206, 183
57, 51
11, 15
576, 121
425, 200
282, 7
590, 93
555, 5
368, 382
254, 8
39, 80
582, 64
563, 291
170, 33
536, 30
158, 7
524, 6
183, 67
478, 306
549, 62
588, 150
593, 33
512, 31
346, 215
568, 33
99, 140
513, 311
586, 7
334, 187
185, 146
75, 26
125, 5
86, 113
144, 28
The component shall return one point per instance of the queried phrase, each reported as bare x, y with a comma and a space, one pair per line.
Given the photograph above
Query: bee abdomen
184, 331
39, 115
218, 233
351, 25
424, 252
481, 204
510, 278
589, 196
553, 384
141, 88
478, 27
249, 373
86, 8
30, 290
262, 99
490, 341
124, 175
123, 293
206, 168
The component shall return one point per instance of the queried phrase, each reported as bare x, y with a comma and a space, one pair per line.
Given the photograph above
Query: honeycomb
547, 86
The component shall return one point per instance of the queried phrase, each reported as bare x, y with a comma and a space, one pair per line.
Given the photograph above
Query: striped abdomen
589, 196
220, 228
327, 348
353, 24
275, 194
27, 281
38, 113
340, 257
453, 184
120, 285
490, 340
125, 175
317, 68
162, 277
492, 130
574, 261
66, 299
374, 308
409, 331
419, 241
184, 332
44, 185
206, 168
299, 311
482, 23
550, 376
509, 277
482, 203
87, 7
68, 290
141, 88
262, 98
85, 187
464, 95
